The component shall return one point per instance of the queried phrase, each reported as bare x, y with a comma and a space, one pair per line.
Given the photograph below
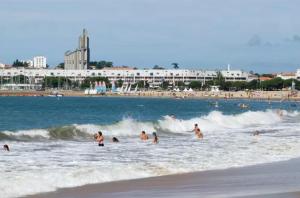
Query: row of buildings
130, 76
76, 69
38, 62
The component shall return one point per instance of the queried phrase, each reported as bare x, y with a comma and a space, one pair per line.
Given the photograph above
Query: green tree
195, 85
165, 85
101, 64
142, 84
18, 63
61, 66
274, 84
119, 83
57, 82
158, 67
175, 65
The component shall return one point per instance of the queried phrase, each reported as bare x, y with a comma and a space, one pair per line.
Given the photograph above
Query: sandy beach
280, 179
264, 95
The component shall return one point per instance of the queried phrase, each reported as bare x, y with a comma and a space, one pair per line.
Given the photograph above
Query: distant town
78, 72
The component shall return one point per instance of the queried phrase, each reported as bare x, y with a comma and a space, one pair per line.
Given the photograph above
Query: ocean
52, 145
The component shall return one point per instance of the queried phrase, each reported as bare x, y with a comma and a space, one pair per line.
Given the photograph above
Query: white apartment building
286, 76
128, 76
298, 74
39, 62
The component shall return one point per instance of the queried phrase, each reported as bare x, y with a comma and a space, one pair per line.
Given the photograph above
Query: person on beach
155, 139
115, 140
6, 147
199, 134
144, 136
99, 138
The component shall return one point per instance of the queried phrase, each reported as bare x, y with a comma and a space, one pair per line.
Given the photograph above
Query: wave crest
214, 122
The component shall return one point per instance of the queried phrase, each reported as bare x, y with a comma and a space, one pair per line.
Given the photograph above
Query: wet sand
281, 179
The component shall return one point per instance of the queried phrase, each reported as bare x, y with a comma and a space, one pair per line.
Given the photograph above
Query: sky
258, 35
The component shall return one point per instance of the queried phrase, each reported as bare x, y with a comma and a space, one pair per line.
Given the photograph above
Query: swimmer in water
256, 133
280, 112
99, 138
199, 134
144, 136
115, 140
6, 147
155, 139
196, 128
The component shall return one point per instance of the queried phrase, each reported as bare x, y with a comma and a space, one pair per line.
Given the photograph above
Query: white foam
214, 121
33, 167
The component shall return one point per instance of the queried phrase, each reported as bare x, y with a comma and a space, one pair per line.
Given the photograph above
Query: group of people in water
143, 136
100, 139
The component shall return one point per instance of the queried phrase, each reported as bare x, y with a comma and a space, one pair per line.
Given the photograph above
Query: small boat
55, 94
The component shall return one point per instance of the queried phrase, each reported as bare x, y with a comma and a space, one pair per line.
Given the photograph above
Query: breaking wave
215, 121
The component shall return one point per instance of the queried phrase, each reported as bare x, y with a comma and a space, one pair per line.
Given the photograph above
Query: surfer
155, 139
99, 138
199, 134
115, 140
144, 136
6, 147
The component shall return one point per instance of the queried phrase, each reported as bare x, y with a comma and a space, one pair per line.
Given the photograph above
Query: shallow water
52, 143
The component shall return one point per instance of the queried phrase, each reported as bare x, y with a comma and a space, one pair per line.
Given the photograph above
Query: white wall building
129, 76
2, 65
298, 74
286, 76
39, 62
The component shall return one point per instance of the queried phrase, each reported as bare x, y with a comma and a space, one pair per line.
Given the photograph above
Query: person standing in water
256, 133
199, 134
196, 128
100, 139
6, 147
144, 136
115, 140
155, 139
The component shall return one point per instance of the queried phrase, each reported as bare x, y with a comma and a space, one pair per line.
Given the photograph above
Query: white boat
55, 95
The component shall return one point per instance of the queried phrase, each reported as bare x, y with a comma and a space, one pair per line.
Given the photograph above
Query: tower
84, 48
79, 58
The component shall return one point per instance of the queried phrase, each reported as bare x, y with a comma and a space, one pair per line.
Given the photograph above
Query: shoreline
278, 179
253, 95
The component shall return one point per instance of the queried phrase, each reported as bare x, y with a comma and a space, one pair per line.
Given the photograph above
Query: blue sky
259, 35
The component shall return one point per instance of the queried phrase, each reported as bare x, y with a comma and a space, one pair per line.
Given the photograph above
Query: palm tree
175, 65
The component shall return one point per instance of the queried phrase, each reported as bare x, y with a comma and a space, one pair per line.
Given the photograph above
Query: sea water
52, 145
